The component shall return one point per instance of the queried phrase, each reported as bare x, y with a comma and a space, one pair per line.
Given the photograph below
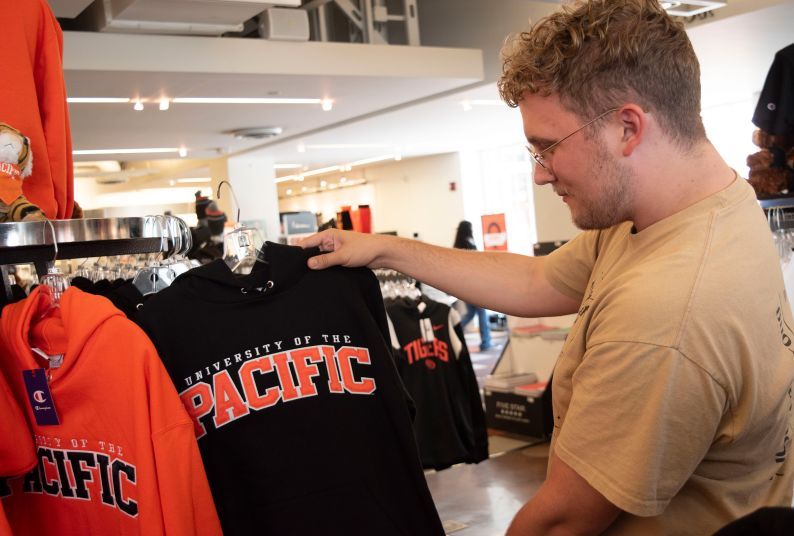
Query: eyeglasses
538, 157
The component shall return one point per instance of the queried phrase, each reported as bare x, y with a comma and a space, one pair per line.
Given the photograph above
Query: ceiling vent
257, 133
690, 8
198, 17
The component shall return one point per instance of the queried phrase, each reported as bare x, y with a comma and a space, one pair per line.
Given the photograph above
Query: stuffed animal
16, 163
772, 168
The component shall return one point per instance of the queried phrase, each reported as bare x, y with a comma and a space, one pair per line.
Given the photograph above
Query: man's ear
634, 121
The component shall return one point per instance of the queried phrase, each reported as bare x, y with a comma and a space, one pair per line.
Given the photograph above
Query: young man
672, 394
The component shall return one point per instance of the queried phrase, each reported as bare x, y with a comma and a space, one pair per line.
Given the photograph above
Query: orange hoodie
17, 454
33, 100
123, 458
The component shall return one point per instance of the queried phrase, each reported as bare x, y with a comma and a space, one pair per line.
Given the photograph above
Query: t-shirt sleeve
568, 268
774, 113
629, 428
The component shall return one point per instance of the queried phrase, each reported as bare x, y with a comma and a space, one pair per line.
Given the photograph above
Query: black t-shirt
300, 414
774, 113
436, 368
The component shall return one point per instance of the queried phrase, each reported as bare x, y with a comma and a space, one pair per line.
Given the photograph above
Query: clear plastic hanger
242, 245
54, 280
155, 276
55, 283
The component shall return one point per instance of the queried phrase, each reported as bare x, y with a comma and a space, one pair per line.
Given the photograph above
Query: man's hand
345, 248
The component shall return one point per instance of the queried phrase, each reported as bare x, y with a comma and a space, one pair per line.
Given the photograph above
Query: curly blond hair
600, 54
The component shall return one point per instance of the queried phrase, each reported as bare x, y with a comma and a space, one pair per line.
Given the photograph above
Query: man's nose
542, 175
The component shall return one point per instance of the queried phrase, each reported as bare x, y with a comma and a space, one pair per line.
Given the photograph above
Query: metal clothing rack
32, 242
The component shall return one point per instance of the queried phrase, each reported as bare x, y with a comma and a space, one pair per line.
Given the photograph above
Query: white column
252, 179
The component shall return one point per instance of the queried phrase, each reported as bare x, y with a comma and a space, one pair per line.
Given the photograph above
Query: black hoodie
302, 420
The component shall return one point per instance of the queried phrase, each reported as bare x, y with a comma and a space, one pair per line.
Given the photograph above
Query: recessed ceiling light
97, 100
243, 100
289, 191
323, 184
303, 188
164, 104
138, 107
153, 150
327, 105
172, 182
347, 146
374, 159
182, 152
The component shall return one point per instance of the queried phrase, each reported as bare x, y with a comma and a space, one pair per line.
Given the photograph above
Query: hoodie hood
278, 269
62, 330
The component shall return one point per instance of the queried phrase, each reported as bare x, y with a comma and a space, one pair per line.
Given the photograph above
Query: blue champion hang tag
40, 397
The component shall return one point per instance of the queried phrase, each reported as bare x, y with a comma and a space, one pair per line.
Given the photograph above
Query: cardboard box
519, 414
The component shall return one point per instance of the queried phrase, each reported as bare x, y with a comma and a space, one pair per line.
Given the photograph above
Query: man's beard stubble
610, 206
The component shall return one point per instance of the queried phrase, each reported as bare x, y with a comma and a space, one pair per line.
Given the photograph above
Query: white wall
409, 196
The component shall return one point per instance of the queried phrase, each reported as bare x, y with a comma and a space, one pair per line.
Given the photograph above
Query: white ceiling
382, 97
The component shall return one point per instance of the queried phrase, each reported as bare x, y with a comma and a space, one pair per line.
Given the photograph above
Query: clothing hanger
54, 280
155, 277
242, 245
55, 283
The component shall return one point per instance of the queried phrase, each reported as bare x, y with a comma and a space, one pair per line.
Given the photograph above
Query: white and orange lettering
262, 365
334, 382
303, 360
346, 354
229, 405
288, 390
198, 402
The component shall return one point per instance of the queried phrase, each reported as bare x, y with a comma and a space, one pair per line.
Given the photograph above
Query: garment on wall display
681, 410
435, 365
300, 414
116, 449
774, 113
34, 101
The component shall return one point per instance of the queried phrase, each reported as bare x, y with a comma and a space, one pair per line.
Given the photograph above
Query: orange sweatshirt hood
31, 323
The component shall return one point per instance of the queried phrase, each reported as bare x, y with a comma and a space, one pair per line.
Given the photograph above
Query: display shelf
777, 201
26, 242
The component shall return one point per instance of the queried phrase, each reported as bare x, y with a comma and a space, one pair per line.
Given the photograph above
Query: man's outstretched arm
505, 282
565, 504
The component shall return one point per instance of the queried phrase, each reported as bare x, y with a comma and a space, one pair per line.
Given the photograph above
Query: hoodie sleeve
17, 453
185, 495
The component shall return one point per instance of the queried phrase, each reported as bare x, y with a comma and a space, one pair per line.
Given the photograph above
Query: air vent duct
257, 133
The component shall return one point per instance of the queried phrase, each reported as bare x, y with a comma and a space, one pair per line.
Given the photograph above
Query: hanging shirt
17, 454
300, 415
33, 100
774, 113
435, 366
119, 455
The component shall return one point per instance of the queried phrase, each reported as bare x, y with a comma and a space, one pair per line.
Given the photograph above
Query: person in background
672, 396
464, 239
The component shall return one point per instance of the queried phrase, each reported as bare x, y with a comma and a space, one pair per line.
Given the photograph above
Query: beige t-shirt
672, 394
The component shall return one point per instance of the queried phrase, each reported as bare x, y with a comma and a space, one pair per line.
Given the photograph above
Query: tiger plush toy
16, 163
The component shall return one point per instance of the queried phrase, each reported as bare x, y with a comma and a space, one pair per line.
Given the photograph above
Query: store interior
398, 126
